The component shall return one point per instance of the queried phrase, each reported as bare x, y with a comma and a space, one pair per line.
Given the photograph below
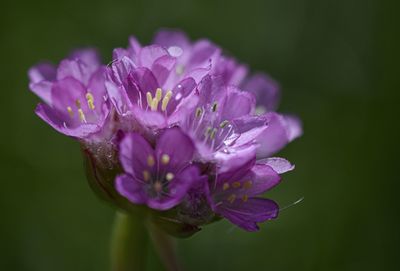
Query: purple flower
222, 125
74, 94
140, 86
235, 194
282, 128
159, 177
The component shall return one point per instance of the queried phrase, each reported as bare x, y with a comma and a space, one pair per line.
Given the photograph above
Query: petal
279, 165
293, 126
149, 54
266, 90
204, 54
65, 93
275, 137
134, 152
231, 159
43, 90
130, 188
120, 69
168, 38
162, 67
249, 127
53, 118
144, 81
178, 146
76, 69
89, 56
118, 98
178, 189
262, 178
237, 104
149, 119
41, 72
247, 214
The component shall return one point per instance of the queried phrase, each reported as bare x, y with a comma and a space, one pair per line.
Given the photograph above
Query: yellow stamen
198, 112
149, 98
214, 107
245, 198
165, 159
158, 94
78, 103
146, 175
236, 185
81, 115
223, 124
225, 186
154, 104
70, 112
150, 161
213, 132
247, 184
166, 99
231, 198
169, 176
90, 100
208, 131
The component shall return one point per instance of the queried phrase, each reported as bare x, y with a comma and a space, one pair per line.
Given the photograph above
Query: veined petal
247, 214
134, 153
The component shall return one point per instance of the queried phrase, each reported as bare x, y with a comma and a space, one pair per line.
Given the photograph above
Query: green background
337, 62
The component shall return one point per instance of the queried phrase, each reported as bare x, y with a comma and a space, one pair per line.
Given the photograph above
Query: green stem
165, 248
129, 243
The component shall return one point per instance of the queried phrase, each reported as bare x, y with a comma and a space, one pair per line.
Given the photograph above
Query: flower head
174, 130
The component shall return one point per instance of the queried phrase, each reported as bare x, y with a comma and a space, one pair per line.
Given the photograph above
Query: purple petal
178, 189
265, 89
65, 93
149, 119
293, 127
279, 165
42, 90
130, 188
237, 104
263, 178
162, 67
169, 38
149, 54
275, 137
204, 54
76, 69
177, 145
247, 214
134, 152
142, 80
41, 72
233, 158
89, 56
53, 118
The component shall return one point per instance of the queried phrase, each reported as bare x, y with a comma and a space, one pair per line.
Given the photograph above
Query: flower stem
165, 248
129, 243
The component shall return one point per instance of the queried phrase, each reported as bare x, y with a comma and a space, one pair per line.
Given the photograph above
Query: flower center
208, 127
81, 114
157, 180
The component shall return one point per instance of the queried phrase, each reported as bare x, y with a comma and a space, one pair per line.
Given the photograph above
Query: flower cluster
176, 127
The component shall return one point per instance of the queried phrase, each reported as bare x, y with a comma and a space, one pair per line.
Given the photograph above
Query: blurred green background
337, 62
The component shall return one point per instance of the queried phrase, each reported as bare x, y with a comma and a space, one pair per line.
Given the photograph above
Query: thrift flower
235, 194
158, 177
74, 95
